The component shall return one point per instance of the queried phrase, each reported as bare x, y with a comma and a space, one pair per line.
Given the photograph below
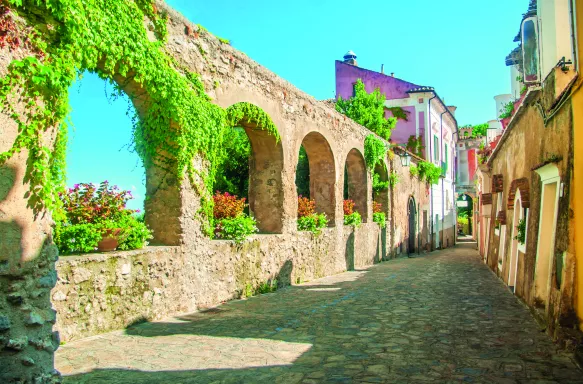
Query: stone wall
96, 293
101, 292
529, 143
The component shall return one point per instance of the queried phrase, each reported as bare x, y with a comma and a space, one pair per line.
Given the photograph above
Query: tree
367, 109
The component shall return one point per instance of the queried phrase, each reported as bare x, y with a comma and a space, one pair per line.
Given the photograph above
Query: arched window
356, 182
316, 174
519, 234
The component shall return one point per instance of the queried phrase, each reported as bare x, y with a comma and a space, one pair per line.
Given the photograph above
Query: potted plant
95, 218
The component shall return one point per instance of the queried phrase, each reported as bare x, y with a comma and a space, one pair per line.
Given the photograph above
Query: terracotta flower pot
109, 240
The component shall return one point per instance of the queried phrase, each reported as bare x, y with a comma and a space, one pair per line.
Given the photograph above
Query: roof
421, 89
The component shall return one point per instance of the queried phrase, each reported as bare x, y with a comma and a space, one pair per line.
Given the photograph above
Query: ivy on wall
426, 171
175, 119
374, 150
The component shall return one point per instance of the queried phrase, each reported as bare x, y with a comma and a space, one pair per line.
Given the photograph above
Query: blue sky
457, 46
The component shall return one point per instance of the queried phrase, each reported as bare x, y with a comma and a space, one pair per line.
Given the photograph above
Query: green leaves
374, 150
367, 109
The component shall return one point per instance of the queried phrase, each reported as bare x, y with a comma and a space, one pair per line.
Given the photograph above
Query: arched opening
105, 176
264, 166
316, 174
465, 214
102, 124
380, 187
519, 223
355, 181
412, 216
550, 179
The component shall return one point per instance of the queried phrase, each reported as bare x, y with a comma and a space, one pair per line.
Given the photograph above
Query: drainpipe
430, 130
443, 180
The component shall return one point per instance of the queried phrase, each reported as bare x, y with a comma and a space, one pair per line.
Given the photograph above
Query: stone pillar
27, 275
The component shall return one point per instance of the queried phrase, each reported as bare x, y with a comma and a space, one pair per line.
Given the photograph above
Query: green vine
175, 120
426, 171
399, 113
394, 178
247, 113
374, 150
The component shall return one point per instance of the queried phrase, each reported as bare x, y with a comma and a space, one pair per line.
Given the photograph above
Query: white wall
554, 33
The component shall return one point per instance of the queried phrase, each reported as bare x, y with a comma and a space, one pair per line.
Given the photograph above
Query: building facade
429, 120
527, 185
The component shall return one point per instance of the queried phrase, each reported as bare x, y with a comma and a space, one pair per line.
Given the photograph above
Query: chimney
383, 69
392, 74
350, 58
452, 109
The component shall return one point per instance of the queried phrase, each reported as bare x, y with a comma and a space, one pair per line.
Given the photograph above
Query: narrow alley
440, 317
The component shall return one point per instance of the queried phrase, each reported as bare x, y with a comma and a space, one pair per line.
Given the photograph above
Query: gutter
442, 182
430, 129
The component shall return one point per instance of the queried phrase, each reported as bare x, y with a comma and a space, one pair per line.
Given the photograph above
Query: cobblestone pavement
442, 317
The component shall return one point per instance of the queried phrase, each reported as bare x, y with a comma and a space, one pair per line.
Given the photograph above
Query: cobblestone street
441, 317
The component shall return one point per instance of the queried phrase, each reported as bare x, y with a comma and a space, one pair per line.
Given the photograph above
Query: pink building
429, 119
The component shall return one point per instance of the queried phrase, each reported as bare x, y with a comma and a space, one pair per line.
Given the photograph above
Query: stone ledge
102, 256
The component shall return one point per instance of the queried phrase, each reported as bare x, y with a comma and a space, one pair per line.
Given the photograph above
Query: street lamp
405, 159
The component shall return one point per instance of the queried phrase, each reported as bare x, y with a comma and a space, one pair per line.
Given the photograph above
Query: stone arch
265, 165
524, 186
357, 178
382, 197
322, 174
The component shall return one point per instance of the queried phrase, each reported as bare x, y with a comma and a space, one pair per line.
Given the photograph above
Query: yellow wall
577, 102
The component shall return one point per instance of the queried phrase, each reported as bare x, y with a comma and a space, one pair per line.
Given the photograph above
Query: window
436, 149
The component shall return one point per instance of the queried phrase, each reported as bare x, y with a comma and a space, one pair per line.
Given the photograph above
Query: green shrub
521, 228
267, 287
379, 218
76, 238
313, 223
235, 228
353, 219
134, 234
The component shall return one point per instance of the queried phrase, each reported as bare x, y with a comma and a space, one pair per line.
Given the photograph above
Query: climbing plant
374, 150
174, 123
368, 109
426, 171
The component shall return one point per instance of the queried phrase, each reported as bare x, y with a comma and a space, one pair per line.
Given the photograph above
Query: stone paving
442, 317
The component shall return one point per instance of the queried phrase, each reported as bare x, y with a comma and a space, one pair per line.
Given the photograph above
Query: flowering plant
308, 219
348, 206
85, 203
306, 207
227, 205
89, 212
351, 217
377, 207
231, 223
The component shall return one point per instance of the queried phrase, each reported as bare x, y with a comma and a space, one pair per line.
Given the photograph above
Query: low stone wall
102, 292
